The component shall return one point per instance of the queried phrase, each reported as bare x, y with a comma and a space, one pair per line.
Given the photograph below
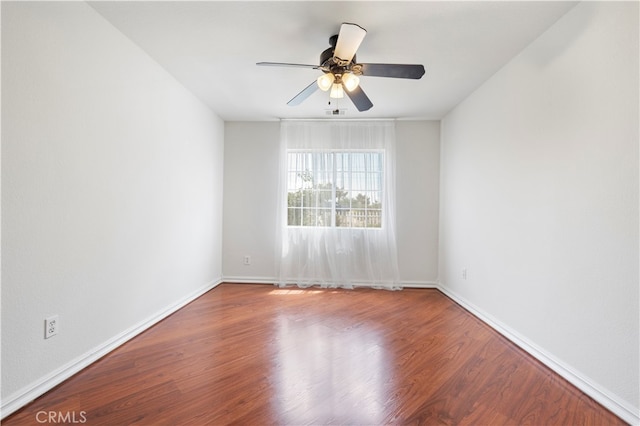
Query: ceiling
212, 47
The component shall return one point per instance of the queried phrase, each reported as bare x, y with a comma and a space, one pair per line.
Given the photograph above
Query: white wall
251, 184
539, 200
417, 204
111, 192
250, 188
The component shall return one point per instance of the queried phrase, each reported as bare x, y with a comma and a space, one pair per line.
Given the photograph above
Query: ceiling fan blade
349, 39
282, 64
308, 91
393, 70
359, 98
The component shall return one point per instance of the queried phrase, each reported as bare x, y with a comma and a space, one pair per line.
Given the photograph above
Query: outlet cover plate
50, 326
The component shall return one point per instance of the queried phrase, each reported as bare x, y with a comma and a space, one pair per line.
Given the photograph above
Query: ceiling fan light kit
325, 81
341, 71
350, 81
337, 92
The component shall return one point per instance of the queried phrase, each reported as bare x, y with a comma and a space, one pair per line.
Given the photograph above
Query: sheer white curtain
336, 206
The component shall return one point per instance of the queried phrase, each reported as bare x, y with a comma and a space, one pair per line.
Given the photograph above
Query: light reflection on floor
294, 291
328, 375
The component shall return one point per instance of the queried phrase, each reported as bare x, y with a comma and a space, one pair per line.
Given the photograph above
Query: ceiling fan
341, 71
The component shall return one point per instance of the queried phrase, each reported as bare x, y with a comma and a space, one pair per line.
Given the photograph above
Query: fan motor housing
326, 56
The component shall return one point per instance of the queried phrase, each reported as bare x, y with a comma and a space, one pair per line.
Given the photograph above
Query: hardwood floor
255, 355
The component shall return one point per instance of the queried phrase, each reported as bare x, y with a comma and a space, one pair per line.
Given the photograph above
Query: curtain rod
342, 120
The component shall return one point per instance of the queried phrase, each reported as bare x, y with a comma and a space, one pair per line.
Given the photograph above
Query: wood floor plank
256, 354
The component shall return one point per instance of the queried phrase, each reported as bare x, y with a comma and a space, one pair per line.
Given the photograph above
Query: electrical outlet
464, 274
50, 326
247, 260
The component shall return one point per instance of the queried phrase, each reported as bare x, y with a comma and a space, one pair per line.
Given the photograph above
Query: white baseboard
273, 280
420, 284
249, 280
48, 382
614, 404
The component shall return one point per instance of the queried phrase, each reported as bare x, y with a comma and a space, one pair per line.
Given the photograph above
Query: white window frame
334, 179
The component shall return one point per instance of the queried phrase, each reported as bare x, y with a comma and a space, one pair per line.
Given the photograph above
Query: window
330, 188
336, 204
